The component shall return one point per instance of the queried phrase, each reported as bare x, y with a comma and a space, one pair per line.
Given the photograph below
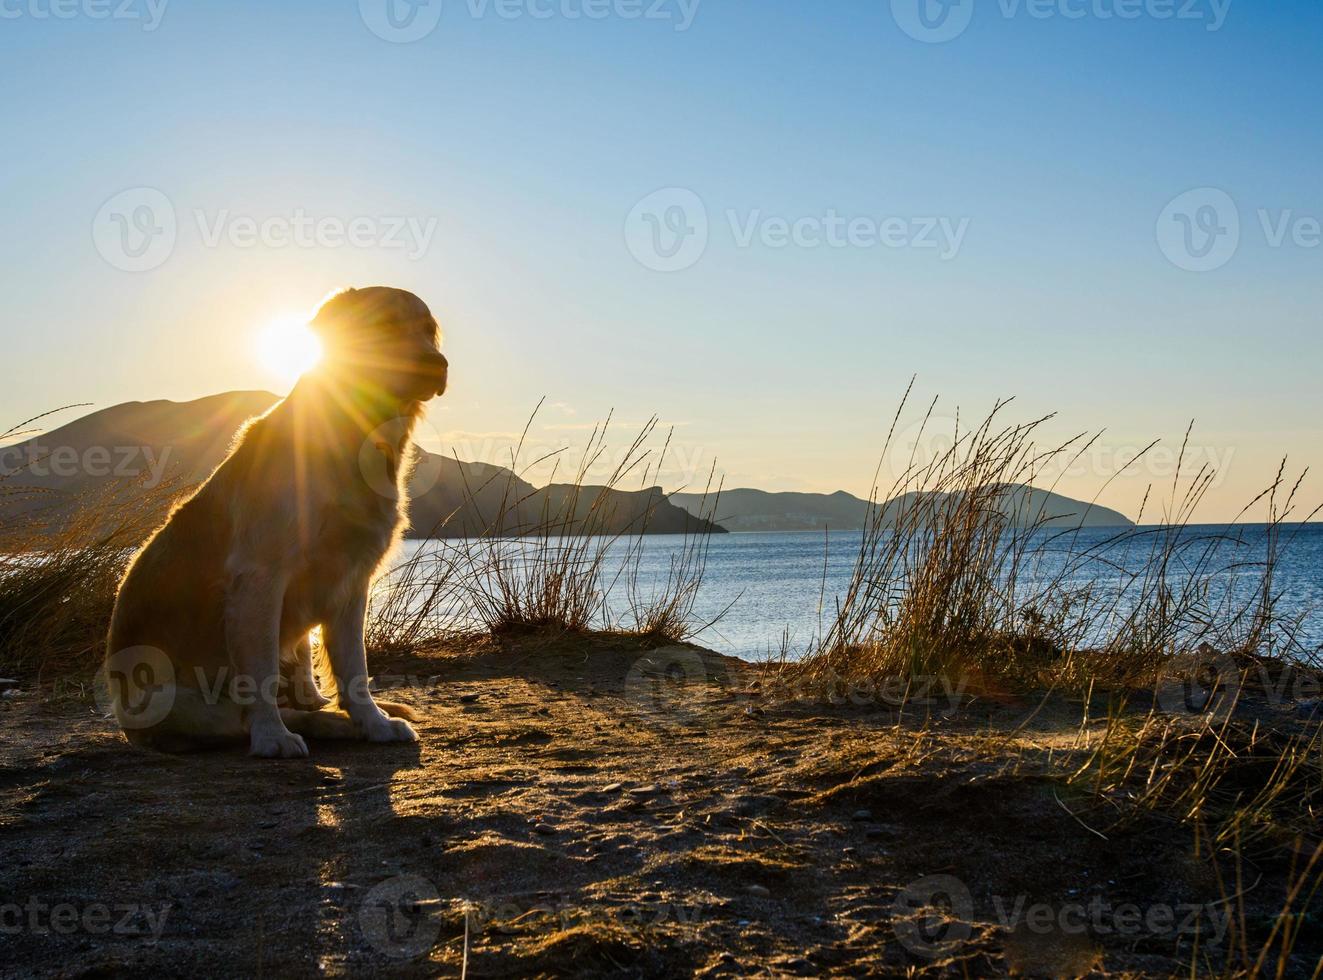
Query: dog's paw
386, 729
277, 744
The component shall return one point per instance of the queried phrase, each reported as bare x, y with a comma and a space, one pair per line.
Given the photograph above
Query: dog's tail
334, 724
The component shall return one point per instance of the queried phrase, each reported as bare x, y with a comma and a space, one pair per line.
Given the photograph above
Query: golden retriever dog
209, 642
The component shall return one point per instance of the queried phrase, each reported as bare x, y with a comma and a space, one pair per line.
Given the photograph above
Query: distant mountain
760, 510
122, 448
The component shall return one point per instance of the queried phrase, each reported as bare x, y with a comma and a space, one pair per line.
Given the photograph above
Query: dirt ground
589, 808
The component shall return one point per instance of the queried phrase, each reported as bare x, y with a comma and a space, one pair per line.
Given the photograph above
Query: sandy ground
573, 810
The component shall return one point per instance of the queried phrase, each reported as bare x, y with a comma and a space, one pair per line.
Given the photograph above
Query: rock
848, 851
7, 683
545, 829
649, 790
760, 891
862, 816
613, 787
472, 698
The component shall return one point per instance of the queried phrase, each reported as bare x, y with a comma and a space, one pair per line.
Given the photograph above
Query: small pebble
760, 891
862, 815
469, 698
648, 790
545, 829
613, 787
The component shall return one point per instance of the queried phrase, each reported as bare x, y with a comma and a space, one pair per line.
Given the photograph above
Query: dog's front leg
348, 656
252, 632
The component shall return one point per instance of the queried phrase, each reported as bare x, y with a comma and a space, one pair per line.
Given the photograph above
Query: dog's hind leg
193, 723
299, 679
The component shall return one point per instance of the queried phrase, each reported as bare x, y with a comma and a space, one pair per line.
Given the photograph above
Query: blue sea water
759, 588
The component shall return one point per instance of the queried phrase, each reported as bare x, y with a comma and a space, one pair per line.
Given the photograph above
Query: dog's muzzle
436, 369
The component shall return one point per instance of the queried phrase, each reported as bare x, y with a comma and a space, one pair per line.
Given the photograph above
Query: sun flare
287, 347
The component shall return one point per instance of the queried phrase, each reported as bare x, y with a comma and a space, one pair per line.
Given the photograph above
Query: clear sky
850, 205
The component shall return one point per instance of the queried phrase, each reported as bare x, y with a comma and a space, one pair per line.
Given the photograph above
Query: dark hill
122, 448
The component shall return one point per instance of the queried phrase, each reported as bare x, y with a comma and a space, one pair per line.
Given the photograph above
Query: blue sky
1054, 134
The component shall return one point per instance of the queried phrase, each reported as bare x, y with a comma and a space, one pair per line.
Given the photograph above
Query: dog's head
383, 341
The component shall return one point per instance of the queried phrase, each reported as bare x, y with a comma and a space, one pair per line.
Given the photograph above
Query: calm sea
760, 587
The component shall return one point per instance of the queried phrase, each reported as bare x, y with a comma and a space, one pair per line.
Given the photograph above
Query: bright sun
287, 347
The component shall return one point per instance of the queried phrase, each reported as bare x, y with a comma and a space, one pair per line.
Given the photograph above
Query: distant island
761, 510
125, 445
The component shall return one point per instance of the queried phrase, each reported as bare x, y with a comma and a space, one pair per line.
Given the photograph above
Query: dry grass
554, 562
60, 567
960, 574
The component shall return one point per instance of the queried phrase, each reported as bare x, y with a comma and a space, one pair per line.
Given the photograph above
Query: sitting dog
209, 641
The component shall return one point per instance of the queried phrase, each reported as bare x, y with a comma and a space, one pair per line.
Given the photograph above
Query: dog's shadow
250, 866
